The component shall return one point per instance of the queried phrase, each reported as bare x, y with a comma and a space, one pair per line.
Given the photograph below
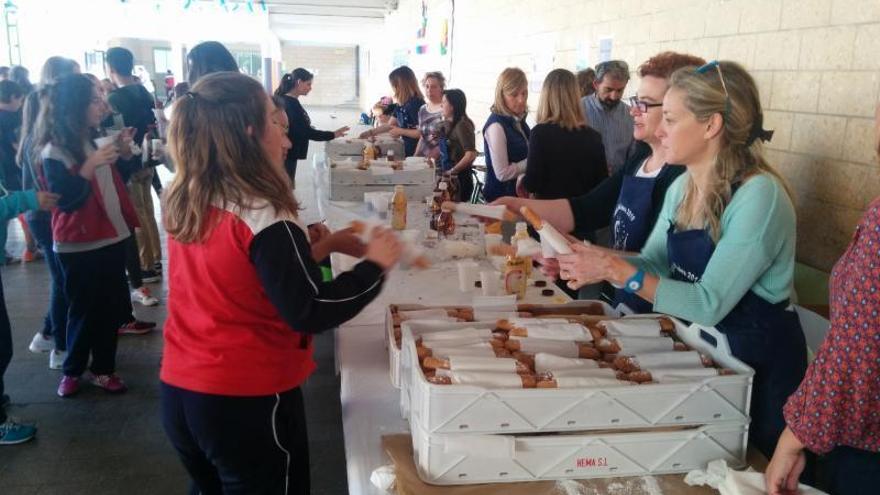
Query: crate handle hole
569, 423
569, 471
676, 465
716, 415
612, 468
463, 427
462, 475
505, 425
502, 473
615, 421
679, 418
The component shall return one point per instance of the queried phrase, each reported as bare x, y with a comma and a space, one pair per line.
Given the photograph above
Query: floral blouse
838, 402
432, 129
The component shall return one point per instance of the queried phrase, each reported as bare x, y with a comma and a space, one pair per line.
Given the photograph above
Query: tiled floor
100, 444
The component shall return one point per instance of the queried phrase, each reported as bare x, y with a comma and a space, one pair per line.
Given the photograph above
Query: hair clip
758, 132
706, 67
191, 95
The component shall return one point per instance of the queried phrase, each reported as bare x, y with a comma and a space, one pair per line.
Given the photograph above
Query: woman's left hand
589, 264
318, 232
396, 132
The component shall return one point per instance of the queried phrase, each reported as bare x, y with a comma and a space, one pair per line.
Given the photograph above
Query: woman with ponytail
722, 251
299, 83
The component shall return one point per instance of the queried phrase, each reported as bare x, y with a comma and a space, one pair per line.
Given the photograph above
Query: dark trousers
56, 316
5, 345
239, 445
133, 263
94, 282
850, 471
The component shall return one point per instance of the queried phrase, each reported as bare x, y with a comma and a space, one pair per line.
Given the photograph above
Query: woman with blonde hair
409, 99
431, 125
245, 294
566, 157
506, 135
722, 251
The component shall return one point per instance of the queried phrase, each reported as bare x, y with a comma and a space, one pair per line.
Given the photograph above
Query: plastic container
459, 408
467, 459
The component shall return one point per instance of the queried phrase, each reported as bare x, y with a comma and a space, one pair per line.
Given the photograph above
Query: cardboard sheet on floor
399, 449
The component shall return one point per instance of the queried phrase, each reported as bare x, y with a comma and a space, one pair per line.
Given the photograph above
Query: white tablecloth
370, 405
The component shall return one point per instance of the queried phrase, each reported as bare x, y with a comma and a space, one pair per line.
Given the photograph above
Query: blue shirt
407, 116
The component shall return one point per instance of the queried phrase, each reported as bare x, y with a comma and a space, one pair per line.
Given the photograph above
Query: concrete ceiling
328, 21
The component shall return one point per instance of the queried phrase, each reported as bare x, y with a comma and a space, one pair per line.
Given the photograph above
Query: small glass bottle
522, 233
445, 223
398, 209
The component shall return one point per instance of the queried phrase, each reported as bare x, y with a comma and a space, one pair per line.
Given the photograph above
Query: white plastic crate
394, 365
460, 408
344, 147
467, 459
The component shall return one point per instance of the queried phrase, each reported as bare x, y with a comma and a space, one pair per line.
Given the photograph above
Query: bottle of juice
398, 209
522, 233
445, 223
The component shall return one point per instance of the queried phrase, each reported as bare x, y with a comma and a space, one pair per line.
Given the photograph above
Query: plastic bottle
398, 209
522, 233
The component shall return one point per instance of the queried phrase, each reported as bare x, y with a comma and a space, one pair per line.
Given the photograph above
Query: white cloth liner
527, 247
587, 373
731, 482
643, 345
559, 331
487, 379
462, 342
632, 327
673, 359
585, 382
470, 363
474, 351
528, 322
545, 362
462, 333
557, 347
425, 314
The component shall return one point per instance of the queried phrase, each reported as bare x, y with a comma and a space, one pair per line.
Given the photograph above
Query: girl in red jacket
245, 294
93, 219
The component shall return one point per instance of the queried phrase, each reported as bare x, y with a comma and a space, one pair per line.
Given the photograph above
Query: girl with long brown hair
245, 293
722, 251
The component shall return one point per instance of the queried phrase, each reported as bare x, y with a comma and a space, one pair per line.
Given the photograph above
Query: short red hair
664, 64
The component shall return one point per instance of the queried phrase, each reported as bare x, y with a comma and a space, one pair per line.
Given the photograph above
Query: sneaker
4, 401
157, 267
40, 343
11, 260
136, 327
12, 433
56, 359
110, 383
150, 276
144, 297
69, 385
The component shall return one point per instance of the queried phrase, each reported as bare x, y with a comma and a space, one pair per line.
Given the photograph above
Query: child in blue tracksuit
11, 205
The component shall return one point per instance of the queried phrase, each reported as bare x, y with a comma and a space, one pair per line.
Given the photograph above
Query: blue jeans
56, 317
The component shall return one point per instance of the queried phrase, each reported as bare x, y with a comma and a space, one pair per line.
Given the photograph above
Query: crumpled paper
383, 478
731, 482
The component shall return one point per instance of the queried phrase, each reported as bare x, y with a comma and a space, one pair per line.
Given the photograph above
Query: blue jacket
517, 150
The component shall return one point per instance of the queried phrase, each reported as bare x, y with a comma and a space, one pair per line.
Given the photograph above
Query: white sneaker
144, 297
40, 343
56, 359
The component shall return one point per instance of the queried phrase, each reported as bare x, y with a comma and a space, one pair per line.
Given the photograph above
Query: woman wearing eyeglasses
722, 251
631, 198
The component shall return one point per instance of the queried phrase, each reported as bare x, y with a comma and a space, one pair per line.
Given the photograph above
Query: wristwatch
635, 283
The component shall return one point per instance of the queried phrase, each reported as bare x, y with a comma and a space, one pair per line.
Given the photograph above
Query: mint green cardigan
755, 252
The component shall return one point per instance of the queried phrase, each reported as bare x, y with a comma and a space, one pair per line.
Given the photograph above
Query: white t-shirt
648, 175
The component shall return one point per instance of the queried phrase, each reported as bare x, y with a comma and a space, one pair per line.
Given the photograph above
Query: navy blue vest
517, 150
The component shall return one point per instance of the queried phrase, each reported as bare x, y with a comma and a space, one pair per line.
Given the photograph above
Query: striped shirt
616, 127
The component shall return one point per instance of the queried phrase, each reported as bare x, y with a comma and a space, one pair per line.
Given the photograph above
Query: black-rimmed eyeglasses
641, 105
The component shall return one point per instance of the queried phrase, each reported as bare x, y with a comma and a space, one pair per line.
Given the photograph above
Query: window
250, 63
161, 60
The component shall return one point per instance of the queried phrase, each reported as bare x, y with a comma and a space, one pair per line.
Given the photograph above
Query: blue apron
630, 226
517, 150
764, 335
